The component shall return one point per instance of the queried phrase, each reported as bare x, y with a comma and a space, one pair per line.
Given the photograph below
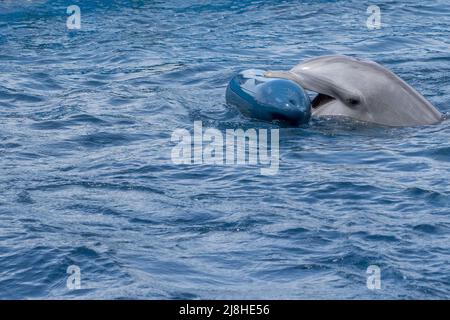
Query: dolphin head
362, 90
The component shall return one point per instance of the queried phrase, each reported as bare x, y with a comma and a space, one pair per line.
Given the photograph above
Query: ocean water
86, 177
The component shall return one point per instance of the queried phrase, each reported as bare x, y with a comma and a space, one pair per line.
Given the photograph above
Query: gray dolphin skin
362, 90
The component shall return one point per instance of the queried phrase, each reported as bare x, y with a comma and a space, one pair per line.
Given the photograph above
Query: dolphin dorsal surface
362, 90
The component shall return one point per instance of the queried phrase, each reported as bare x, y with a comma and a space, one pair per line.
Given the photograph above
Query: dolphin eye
352, 101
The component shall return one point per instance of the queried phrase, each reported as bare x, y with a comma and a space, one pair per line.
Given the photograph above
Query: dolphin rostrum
362, 90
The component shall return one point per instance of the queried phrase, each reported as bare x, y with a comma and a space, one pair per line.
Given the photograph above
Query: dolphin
362, 90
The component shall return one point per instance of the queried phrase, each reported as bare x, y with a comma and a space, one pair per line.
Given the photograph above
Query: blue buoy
268, 99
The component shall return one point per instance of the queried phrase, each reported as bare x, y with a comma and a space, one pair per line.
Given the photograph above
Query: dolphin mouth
320, 100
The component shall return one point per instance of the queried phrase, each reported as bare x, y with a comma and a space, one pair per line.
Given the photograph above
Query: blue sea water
86, 176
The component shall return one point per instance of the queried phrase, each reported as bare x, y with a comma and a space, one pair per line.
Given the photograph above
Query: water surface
86, 176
